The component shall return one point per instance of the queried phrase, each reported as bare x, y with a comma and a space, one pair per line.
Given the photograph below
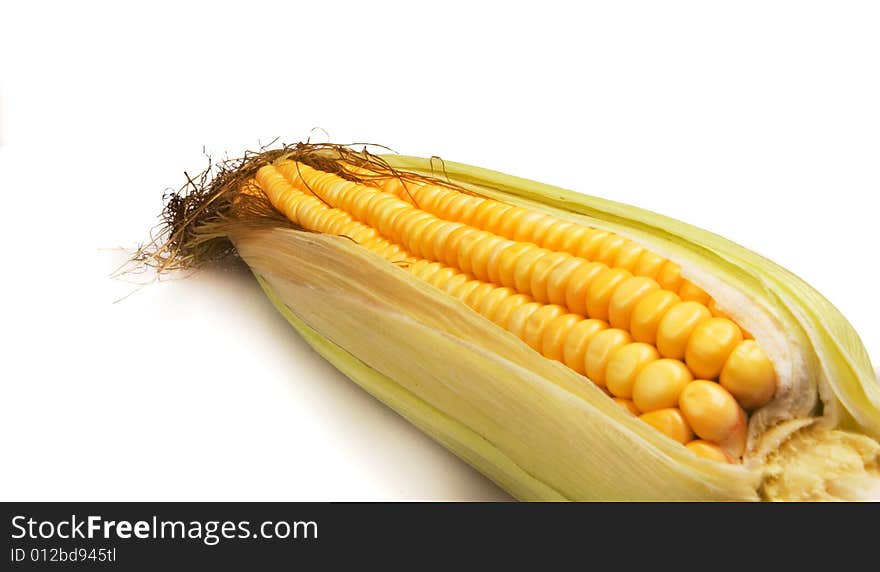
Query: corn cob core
632, 335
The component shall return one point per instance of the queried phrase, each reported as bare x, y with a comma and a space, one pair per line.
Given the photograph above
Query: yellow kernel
477, 294
572, 239
499, 213
455, 243
599, 351
577, 341
469, 206
440, 207
492, 300
525, 229
540, 228
505, 268
541, 273
649, 264
454, 283
430, 195
669, 276
688, 291
308, 212
556, 234
464, 291
518, 318
533, 331
601, 289
460, 208
709, 346
627, 294
442, 276
709, 451
505, 309
392, 219
464, 245
590, 242
388, 219
336, 220
607, 251
659, 384
646, 315
525, 265
493, 264
509, 223
360, 233
670, 422
628, 256
443, 197
713, 413
418, 266
390, 251
409, 191
424, 246
359, 206
577, 285
439, 241
625, 364
320, 220
488, 214
407, 225
555, 335
557, 281
749, 375
480, 256
676, 326
426, 271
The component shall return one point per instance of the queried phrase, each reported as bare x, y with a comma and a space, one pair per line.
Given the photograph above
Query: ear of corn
481, 306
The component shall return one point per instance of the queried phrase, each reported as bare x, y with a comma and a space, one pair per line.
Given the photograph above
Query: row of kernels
522, 225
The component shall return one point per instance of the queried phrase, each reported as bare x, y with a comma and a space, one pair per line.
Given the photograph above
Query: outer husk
531, 425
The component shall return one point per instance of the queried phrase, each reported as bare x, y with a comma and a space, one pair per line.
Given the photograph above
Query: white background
757, 120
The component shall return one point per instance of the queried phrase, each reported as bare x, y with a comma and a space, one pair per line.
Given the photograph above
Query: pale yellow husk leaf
532, 425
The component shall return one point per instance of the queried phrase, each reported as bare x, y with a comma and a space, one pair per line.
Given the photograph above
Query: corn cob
582, 330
